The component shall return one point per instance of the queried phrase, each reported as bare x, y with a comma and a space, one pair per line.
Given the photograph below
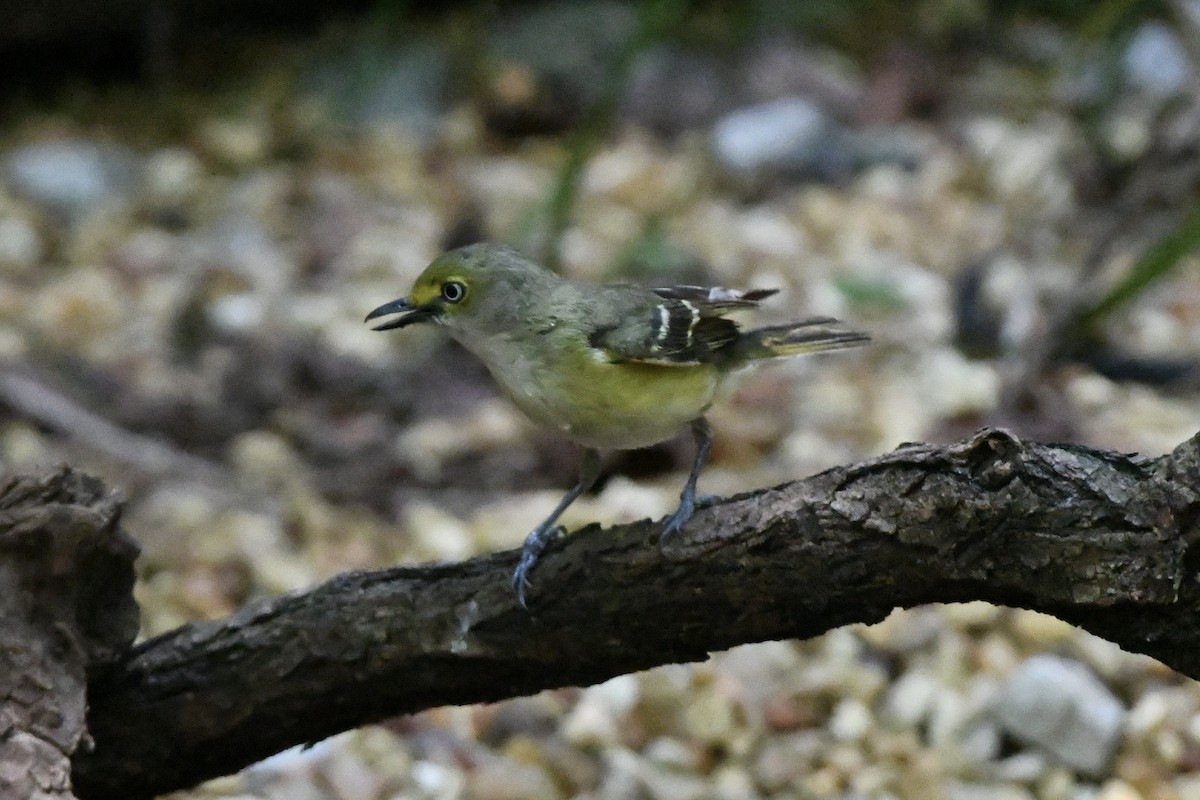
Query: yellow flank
602, 404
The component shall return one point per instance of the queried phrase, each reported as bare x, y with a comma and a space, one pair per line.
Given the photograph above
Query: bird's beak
408, 314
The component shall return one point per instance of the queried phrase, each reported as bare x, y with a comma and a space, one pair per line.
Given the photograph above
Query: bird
609, 367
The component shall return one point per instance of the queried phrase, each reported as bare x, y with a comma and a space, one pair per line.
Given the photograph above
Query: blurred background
199, 201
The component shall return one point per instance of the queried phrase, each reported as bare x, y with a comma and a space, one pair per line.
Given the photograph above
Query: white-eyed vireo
609, 367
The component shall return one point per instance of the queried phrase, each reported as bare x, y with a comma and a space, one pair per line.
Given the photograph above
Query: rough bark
1101, 539
66, 604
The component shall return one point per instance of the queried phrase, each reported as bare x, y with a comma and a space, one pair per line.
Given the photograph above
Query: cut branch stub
66, 611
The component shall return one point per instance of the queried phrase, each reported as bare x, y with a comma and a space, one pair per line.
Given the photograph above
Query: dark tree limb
1100, 539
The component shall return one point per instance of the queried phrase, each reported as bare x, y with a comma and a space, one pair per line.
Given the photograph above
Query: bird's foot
688, 505
535, 544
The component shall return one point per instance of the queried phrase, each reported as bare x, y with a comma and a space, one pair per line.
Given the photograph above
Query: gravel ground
181, 298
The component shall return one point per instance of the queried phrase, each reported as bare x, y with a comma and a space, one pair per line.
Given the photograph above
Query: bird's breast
578, 391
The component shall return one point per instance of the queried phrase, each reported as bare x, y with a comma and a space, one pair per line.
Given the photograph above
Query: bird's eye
453, 291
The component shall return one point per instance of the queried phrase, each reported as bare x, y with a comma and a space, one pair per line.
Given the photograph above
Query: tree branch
1100, 539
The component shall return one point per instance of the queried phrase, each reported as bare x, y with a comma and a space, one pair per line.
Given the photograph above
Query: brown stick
1100, 539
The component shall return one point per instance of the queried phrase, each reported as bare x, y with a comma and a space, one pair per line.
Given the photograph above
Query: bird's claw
535, 544
687, 507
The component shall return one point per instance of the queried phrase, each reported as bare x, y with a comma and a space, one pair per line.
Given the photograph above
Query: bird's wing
673, 326
715, 299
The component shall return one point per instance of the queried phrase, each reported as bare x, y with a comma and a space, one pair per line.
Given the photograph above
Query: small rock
851, 720
172, 175
733, 783
906, 629
710, 716
1059, 783
1040, 630
436, 533
961, 727
1060, 706
235, 142
23, 447
265, 459
350, 777
437, 780
591, 723
21, 247
784, 712
1157, 62
1148, 713
1024, 767
82, 309
955, 385
662, 782
70, 176
910, 698
620, 694
1188, 786
972, 615
996, 654
783, 760
430, 444
790, 137
670, 752
404, 87
1117, 789
961, 790
671, 91
505, 779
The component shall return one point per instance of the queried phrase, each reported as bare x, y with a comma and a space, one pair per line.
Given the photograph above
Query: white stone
851, 720
1059, 705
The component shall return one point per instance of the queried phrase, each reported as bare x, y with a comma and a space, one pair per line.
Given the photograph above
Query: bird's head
471, 287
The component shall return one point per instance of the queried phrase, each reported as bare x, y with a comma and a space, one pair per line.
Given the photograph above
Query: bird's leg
687, 499
548, 531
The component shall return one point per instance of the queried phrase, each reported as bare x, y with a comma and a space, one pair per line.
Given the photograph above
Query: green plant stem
654, 19
1156, 262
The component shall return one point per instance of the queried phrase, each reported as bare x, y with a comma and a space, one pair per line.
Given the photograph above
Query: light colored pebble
851, 720
503, 779
591, 723
962, 790
21, 246
1147, 714
436, 534
437, 780
430, 443
1025, 767
972, 615
235, 142
1040, 630
1117, 789
911, 698
265, 458
172, 175
710, 715
1060, 705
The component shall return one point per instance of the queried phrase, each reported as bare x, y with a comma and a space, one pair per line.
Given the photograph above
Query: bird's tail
796, 338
